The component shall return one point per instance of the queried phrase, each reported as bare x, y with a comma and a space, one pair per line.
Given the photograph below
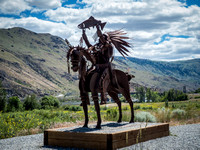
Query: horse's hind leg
114, 96
126, 94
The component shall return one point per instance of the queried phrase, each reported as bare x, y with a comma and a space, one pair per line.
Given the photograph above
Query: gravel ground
185, 137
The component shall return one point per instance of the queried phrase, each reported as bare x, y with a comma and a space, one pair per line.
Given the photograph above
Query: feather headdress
117, 39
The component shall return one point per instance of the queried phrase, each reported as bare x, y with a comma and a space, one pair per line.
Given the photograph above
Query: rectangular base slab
111, 136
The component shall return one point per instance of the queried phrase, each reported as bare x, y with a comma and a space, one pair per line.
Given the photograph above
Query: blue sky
158, 29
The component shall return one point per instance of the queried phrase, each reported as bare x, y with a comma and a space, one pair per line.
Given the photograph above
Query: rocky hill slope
36, 63
162, 75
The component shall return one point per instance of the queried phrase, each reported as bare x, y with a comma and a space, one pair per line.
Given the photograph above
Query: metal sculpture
100, 77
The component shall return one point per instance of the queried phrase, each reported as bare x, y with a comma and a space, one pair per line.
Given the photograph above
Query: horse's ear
70, 46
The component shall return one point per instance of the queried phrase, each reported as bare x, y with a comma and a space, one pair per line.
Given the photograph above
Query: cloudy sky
158, 29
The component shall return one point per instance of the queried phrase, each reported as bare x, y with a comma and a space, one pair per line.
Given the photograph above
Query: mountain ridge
36, 63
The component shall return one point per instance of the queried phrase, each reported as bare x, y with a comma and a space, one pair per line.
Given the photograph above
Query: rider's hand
97, 26
83, 34
83, 30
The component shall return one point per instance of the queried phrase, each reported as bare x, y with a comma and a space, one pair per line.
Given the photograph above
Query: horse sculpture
119, 83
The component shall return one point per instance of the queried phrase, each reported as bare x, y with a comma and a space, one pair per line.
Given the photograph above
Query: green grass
22, 123
19, 123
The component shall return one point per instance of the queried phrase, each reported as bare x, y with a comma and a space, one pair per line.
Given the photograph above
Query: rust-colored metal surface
100, 77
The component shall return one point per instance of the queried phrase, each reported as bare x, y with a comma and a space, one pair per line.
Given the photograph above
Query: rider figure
102, 52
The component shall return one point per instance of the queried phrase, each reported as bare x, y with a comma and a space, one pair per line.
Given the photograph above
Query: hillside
33, 63
36, 63
162, 75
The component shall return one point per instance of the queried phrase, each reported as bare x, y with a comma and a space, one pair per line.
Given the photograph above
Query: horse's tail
130, 76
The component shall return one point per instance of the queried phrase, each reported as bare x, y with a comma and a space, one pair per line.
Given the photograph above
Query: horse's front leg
94, 83
85, 109
97, 108
85, 100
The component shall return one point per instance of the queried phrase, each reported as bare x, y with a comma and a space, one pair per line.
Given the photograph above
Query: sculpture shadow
92, 128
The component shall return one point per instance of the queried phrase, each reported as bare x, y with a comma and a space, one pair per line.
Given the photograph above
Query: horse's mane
83, 52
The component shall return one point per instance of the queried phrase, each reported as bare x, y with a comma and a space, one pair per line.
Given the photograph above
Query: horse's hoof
119, 121
98, 127
131, 121
85, 126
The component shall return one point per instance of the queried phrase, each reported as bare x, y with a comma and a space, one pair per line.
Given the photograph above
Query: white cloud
13, 6
44, 4
37, 25
17, 6
144, 21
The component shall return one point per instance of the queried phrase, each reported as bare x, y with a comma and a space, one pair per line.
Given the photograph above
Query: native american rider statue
103, 54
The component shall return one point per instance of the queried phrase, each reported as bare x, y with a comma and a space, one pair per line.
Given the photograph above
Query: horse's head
74, 55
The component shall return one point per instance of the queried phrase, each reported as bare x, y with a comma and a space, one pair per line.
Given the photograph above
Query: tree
14, 104
175, 95
141, 94
170, 95
49, 102
137, 92
148, 94
31, 103
2, 98
197, 91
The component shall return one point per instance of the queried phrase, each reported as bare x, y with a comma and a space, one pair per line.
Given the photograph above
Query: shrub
48, 102
166, 103
122, 99
2, 98
136, 107
104, 107
148, 107
31, 103
111, 113
14, 104
178, 114
126, 108
197, 105
173, 105
72, 108
145, 117
196, 97
197, 91
163, 115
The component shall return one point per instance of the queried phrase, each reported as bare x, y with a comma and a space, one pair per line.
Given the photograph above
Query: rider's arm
86, 39
100, 35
